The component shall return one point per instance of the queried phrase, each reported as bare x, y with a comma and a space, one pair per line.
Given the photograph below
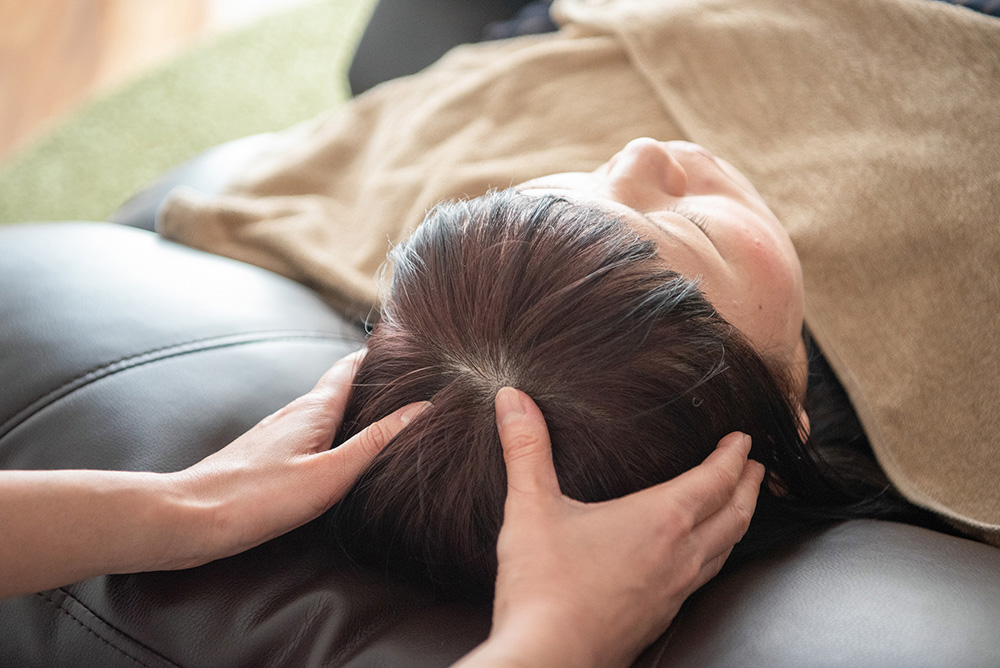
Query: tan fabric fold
325, 210
871, 127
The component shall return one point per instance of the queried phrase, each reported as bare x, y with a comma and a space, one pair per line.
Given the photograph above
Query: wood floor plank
56, 54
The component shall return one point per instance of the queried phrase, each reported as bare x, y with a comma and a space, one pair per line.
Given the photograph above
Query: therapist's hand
282, 473
64, 526
593, 584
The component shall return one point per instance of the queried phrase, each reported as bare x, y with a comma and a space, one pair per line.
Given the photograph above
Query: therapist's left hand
280, 474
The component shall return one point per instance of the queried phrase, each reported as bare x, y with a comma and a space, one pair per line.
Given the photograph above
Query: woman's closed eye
698, 219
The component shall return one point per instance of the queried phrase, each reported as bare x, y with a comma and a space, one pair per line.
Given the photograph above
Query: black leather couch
121, 350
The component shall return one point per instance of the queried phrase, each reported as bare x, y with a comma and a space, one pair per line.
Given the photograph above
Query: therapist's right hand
594, 584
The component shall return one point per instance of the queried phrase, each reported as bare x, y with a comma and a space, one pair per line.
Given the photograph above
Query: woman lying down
653, 302
649, 308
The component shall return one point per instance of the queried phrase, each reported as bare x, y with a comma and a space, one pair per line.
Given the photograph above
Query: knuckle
712, 568
725, 477
692, 571
673, 525
312, 401
375, 437
327, 395
743, 514
519, 445
380, 433
676, 519
685, 570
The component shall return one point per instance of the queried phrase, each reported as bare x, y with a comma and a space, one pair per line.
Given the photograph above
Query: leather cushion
125, 351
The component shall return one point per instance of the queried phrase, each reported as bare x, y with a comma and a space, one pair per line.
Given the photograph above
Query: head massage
636, 284
544, 283
596, 294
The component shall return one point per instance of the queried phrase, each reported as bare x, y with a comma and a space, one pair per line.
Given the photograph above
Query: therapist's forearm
59, 527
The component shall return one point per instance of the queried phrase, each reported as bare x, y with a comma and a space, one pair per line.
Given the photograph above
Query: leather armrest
209, 172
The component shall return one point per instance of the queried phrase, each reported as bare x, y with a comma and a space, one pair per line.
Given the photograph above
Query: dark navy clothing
991, 7
533, 18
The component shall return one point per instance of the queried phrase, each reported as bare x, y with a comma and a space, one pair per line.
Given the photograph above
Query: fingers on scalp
718, 534
364, 445
359, 450
343, 369
744, 501
377, 435
334, 387
726, 527
709, 486
354, 360
525, 440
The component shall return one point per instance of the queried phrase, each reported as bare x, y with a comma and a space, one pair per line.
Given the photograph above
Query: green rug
272, 74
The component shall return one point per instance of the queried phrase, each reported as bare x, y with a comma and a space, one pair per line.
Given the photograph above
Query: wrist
150, 519
540, 636
186, 520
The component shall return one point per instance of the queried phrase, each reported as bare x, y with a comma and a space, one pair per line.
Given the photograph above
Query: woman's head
709, 224
637, 374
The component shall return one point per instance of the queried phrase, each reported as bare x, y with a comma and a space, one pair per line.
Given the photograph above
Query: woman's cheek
774, 290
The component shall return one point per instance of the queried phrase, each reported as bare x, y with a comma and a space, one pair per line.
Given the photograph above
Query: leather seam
148, 357
94, 633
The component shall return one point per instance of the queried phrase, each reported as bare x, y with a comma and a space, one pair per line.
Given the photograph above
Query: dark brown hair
636, 373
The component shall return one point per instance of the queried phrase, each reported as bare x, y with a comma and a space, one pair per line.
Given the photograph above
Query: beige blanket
870, 126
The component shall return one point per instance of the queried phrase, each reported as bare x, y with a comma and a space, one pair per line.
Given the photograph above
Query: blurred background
98, 97
56, 54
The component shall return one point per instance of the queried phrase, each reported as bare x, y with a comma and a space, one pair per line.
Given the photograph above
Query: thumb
527, 451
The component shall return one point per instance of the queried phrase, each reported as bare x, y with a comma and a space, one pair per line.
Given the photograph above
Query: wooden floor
56, 54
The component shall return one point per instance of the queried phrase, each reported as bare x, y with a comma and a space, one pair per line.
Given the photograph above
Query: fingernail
744, 444
759, 469
509, 404
413, 410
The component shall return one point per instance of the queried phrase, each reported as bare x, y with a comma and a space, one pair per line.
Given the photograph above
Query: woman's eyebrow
563, 189
651, 221
658, 225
